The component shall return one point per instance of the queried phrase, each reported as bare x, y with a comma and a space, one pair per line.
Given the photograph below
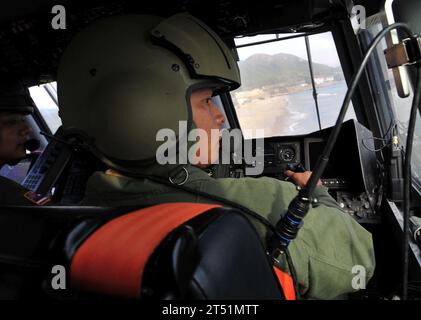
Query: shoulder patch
36, 198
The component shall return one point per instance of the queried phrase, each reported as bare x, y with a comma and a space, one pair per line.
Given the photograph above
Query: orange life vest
100, 265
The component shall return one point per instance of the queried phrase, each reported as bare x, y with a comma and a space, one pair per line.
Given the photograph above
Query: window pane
45, 98
276, 93
330, 84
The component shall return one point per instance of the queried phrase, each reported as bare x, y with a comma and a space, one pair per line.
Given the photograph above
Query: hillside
283, 69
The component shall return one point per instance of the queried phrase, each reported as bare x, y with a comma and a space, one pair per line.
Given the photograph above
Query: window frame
356, 101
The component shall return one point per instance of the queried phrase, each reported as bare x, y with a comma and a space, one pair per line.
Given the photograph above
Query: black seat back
31, 244
217, 255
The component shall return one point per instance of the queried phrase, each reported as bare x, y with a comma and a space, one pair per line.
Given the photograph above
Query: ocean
302, 111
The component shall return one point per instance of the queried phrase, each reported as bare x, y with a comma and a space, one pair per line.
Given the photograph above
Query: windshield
277, 92
45, 98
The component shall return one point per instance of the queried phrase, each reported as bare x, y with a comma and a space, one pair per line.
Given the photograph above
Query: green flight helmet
124, 78
14, 97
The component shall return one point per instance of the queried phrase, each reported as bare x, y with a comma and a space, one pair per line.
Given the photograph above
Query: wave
326, 94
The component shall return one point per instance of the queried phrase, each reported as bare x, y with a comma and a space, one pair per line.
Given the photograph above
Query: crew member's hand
300, 178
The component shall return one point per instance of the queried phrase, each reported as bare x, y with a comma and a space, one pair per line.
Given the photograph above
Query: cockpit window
277, 92
45, 98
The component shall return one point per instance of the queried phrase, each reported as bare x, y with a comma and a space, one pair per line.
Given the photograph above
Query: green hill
284, 69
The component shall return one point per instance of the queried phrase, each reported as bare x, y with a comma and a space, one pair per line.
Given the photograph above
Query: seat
215, 255
30, 244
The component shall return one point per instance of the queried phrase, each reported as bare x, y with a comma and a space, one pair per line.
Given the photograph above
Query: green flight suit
324, 253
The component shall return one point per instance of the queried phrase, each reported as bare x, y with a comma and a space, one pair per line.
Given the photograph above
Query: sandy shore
270, 114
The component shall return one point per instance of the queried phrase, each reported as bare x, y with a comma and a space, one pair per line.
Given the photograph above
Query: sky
323, 48
46, 105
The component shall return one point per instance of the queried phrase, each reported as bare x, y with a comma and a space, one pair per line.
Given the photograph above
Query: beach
289, 114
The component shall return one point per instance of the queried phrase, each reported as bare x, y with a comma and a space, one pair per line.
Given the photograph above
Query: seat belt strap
112, 260
287, 284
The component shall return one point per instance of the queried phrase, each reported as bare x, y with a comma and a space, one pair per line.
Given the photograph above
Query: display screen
315, 149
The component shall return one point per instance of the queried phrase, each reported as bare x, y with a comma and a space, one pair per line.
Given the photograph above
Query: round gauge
286, 154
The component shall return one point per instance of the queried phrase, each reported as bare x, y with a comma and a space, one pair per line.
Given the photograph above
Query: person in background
14, 136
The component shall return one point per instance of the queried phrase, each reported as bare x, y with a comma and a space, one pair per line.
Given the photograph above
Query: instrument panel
351, 173
279, 155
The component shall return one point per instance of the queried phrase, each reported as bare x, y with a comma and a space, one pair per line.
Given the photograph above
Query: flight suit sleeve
332, 253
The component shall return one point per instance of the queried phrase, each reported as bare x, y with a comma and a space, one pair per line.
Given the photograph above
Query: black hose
293, 274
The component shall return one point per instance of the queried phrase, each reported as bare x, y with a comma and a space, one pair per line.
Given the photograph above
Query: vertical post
310, 64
